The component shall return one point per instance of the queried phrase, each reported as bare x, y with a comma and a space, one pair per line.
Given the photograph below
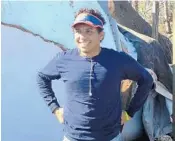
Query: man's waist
91, 127
90, 134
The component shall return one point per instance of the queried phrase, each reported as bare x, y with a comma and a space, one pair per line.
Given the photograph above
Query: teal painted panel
51, 20
25, 116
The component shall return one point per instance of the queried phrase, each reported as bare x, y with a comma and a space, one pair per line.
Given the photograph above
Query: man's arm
134, 71
44, 80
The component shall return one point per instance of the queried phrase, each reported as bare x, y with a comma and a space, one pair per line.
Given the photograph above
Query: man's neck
91, 53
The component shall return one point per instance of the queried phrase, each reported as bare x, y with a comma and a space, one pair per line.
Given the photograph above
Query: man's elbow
40, 78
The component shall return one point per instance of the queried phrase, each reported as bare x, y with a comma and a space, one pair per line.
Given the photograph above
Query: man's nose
82, 36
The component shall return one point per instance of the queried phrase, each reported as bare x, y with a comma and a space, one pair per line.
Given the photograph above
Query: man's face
87, 38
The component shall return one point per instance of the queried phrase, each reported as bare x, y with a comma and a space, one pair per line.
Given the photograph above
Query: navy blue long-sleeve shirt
92, 110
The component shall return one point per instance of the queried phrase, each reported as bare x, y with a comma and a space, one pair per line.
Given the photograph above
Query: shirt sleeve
132, 70
44, 80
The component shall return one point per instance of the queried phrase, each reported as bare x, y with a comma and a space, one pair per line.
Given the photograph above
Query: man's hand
125, 117
59, 114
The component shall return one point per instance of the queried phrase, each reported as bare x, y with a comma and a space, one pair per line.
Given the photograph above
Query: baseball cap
88, 19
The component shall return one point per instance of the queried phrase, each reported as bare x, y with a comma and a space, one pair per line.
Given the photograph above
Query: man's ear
102, 34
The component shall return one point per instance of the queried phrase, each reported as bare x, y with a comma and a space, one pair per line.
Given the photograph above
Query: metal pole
155, 19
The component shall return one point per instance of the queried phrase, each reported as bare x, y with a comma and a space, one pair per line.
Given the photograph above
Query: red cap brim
87, 23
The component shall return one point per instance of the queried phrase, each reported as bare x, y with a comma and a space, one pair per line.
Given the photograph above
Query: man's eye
76, 31
89, 31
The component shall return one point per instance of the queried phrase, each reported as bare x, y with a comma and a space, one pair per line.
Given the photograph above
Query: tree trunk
167, 19
174, 73
125, 15
174, 38
155, 19
150, 55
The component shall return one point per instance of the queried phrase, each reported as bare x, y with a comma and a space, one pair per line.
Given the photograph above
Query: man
92, 76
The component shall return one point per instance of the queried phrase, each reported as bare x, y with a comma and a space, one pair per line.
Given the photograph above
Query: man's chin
84, 49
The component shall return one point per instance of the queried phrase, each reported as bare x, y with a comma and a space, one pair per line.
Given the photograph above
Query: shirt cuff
53, 107
130, 112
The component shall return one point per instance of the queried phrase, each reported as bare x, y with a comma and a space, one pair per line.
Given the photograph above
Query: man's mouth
84, 43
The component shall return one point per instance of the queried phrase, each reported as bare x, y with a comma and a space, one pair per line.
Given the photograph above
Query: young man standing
92, 75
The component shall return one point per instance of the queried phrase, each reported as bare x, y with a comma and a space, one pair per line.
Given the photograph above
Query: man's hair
92, 12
